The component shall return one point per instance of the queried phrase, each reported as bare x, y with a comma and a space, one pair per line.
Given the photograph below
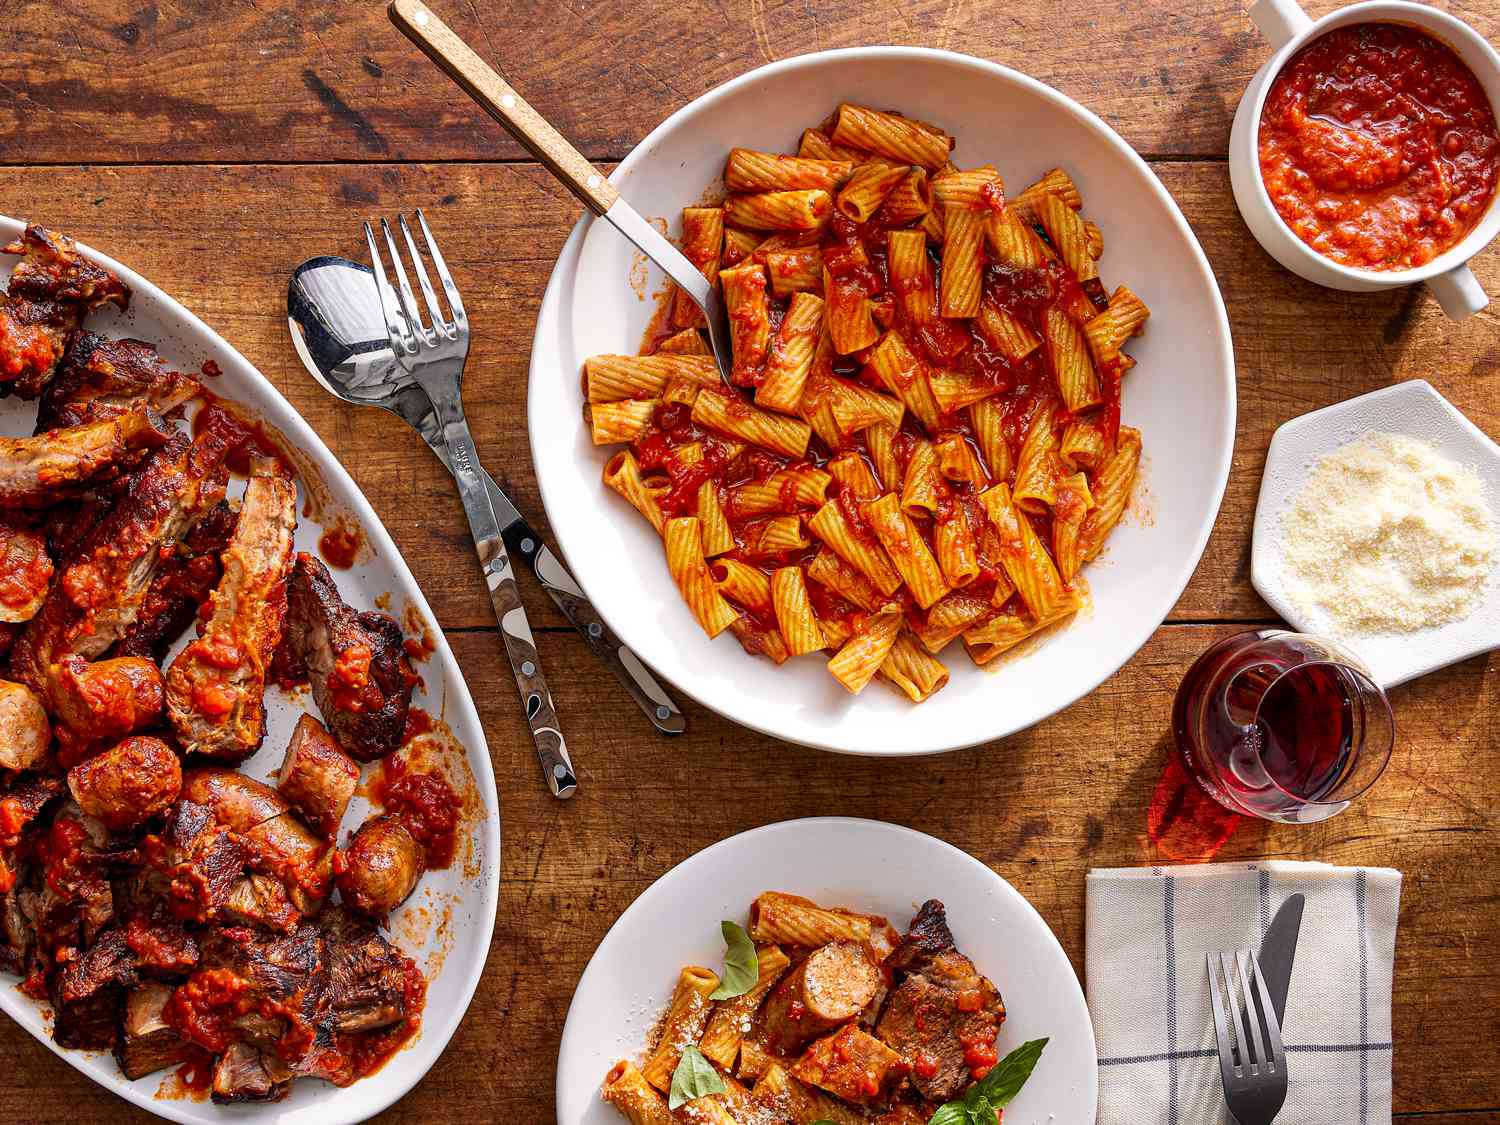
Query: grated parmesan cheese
1387, 535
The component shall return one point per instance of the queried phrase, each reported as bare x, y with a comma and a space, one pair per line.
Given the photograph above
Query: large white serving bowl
862, 864
1181, 397
445, 926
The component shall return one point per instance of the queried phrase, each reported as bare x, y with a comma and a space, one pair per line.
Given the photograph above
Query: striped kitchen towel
1148, 931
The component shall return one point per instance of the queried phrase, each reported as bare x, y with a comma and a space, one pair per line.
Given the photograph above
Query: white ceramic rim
1382, 11
414, 1060
645, 904
765, 722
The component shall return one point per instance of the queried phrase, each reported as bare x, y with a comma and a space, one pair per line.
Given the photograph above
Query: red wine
1273, 724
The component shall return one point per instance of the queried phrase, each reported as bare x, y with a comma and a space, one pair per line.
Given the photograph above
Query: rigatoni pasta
921, 436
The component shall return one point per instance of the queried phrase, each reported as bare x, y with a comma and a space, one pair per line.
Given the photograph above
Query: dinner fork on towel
433, 355
1253, 1062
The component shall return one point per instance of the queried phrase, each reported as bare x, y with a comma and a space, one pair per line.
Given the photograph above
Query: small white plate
863, 864
1412, 408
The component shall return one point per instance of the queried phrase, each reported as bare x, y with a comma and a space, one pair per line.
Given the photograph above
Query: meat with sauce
103, 701
381, 866
317, 777
25, 571
829, 986
184, 580
37, 472
25, 731
944, 1015
245, 1073
129, 784
195, 862
216, 686
147, 1042
50, 290
98, 593
353, 661
100, 378
851, 1064
275, 840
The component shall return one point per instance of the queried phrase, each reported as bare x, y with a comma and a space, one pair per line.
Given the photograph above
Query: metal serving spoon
455, 58
339, 331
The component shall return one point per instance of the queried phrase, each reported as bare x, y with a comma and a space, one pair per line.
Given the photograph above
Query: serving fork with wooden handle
494, 95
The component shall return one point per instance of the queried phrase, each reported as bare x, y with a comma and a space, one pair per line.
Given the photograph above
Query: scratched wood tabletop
213, 144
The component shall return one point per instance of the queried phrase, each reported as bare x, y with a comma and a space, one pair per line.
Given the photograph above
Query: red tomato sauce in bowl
1378, 146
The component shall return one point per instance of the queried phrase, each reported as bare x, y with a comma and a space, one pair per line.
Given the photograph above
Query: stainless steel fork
1253, 1062
434, 354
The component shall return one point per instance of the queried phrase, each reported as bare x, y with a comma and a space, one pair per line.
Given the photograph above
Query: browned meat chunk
147, 1042
37, 472
851, 1064
381, 866
98, 594
277, 842
128, 784
86, 995
25, 571
245, 1073
183, 582
51, 268
828, 987
944, 1016
50, 290
103, 701
353, 660
101, 378
369, 982
161, 945
317, 777
195, 862
25, 732
261, 900
216, 687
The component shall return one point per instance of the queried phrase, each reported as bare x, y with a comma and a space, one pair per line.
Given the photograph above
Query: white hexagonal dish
1412, 408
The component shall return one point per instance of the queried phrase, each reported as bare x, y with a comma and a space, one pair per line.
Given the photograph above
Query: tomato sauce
855, 256
425, 803
1378, 146
260, 438
370, 1050
340, 545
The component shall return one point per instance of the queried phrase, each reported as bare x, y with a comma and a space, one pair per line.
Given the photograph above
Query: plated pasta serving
922, 441
827, 1015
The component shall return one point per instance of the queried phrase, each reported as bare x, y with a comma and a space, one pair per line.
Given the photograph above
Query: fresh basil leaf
950, 1113
980, 1110
1006, 1077
741, 965
695, 1077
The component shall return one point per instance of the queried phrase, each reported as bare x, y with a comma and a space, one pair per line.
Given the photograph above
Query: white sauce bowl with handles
1288, 29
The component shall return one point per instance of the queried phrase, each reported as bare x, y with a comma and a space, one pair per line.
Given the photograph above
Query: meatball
24, 730
128, 784
380, 866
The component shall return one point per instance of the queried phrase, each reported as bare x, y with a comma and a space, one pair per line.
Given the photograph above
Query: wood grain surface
212, 145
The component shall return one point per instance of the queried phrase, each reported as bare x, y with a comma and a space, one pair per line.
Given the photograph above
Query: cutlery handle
452, 55
505, 596
563, 588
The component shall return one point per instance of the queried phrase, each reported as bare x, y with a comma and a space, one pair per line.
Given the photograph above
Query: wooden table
214, 144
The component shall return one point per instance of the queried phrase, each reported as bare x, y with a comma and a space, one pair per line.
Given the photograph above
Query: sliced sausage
105, 700
381, 866
25, 732
828, 987
237, 801
317, 777
128, 784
